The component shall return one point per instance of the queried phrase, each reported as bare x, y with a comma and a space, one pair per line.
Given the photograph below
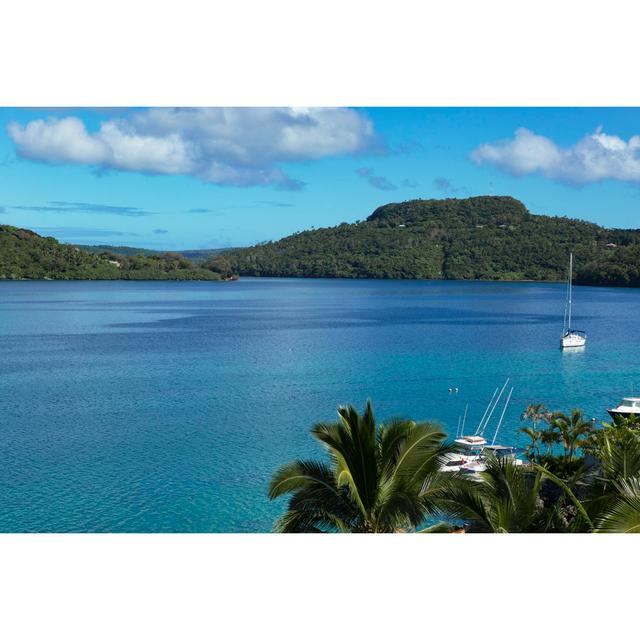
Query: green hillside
195, 255
119, 249
486, 238
27, 255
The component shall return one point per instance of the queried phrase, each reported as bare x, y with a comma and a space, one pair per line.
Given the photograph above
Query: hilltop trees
486, 238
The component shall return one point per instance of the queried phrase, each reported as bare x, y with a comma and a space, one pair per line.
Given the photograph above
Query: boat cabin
626, 408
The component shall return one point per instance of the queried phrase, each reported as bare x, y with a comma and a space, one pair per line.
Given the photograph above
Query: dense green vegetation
27, 255
119, 249
195, 255
387, 478
487, 238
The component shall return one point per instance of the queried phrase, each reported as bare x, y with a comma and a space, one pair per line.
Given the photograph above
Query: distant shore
236, 278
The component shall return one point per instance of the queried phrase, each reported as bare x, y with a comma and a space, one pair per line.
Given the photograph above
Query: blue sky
196, 178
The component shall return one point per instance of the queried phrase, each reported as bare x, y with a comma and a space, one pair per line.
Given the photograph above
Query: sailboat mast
506, 404
570, 279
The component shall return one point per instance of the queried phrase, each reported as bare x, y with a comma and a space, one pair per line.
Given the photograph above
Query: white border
315, 587
74, 53
318, 52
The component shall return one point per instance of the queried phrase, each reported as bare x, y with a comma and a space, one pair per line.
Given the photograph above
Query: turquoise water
155, 406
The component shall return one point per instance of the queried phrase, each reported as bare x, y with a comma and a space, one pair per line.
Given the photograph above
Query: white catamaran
570, 337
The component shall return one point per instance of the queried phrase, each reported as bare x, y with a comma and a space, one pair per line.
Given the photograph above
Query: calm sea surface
160, 406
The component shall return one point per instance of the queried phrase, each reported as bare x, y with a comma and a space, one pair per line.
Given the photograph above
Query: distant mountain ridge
484, 238
195, 255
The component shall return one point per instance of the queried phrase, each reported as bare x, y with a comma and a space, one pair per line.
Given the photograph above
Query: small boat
627, 407
469, 456
571, 337
469, 444
466, 448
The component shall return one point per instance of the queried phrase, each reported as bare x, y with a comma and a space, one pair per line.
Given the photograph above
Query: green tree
508, 500
378, 478
612, 494
622, 513
535, 413
572, 430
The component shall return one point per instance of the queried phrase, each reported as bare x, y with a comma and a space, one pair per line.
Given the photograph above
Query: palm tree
571, 430
379, 478
549, 438
532, 450
505, 500
535, 413
622, 513
508, 499
614, 493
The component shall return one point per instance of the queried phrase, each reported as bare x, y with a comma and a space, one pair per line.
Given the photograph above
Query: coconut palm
614, 497
549, 438
379, 478
572, 430
618, 452
532, 450
535, 413
508, 499
622, 513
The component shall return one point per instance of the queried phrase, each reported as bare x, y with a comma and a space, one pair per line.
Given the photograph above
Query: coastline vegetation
383, 478
25, 255
480, 238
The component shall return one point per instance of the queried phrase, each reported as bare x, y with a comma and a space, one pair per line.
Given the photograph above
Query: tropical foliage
487, 238
388, 477
379, 478
508, 498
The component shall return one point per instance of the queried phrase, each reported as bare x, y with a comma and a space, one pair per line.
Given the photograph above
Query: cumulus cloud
378, 182
227, 146
597, 156
58, 206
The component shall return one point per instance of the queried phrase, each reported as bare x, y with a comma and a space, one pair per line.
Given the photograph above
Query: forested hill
487, 238
194, 255
27, 255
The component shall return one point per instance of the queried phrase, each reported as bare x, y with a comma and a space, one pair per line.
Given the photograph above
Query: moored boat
571, 337
469, 455
628, 407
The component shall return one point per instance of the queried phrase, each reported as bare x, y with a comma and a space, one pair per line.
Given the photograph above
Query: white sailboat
570, 337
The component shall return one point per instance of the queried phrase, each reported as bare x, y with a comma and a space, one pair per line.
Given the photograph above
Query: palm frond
623, 516
298, 475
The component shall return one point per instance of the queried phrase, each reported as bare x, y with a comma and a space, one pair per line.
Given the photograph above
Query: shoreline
237, 278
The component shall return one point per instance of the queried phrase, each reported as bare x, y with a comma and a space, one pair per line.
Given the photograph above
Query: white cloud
597, 156
230, 146
57, 141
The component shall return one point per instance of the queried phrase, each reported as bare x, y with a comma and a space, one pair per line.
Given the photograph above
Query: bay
166, 406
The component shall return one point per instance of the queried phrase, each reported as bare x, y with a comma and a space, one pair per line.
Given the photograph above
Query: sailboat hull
572, 339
